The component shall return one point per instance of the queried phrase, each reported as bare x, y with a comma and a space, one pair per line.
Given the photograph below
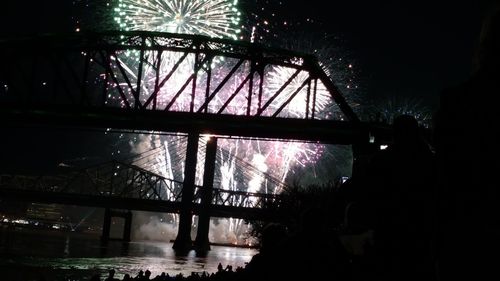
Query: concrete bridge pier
106, 227
202, 243
127, 228
183, 242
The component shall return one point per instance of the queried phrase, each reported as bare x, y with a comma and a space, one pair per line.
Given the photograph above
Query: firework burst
385, 110
215, 18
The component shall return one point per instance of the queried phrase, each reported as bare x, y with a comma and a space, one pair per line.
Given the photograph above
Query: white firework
214, 18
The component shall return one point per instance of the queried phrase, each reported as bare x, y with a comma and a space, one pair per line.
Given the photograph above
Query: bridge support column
202, 243
127, 228
183, 242
106, 227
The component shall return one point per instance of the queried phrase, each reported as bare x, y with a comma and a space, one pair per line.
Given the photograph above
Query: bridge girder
126, 186
129, 79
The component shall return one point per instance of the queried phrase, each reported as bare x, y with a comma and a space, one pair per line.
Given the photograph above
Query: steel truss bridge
125, 186
176, 83
172, 82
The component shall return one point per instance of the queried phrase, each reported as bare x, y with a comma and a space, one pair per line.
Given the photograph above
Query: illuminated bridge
172, 83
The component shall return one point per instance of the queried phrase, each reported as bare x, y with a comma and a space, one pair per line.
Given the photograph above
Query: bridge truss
125, 184
191, 83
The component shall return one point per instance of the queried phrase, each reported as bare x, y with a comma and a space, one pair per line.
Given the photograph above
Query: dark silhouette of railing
242, 199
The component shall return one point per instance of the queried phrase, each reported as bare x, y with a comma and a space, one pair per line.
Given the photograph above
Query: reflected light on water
61, 253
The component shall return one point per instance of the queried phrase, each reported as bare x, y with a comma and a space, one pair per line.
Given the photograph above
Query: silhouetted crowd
226, 273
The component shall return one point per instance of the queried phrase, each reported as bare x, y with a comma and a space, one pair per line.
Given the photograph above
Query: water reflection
60, 253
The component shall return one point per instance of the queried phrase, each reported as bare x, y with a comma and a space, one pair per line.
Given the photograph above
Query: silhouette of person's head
488, 52
406, 130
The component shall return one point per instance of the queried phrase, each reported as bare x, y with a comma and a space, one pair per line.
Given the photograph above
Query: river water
27, 254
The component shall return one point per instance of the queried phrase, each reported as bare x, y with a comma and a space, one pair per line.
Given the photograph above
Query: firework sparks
302, 99
388, 109
215, 18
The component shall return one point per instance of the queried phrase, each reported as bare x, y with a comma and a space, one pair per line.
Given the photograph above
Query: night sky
400, 49
405, 48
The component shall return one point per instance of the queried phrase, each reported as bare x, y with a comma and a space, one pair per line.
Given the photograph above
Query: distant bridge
124, 186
